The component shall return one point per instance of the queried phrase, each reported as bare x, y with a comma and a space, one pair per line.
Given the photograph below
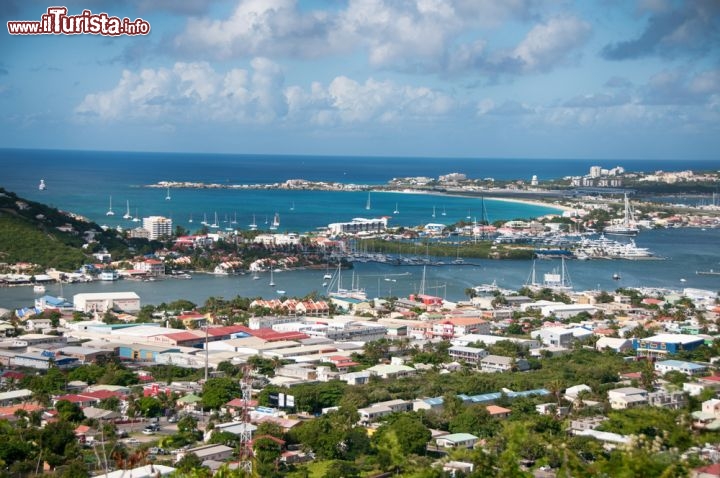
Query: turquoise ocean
84, 181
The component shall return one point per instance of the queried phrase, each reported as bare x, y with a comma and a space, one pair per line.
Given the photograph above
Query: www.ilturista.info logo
57, 22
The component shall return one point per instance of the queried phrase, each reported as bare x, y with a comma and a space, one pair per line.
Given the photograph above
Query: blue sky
606, 79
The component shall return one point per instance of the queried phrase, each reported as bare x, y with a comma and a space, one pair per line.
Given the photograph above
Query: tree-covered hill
39, 234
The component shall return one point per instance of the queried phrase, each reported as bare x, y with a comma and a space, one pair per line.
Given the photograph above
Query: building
457, 440
382, 409
209, 452
151, 267
688, 368
157, 227
102, 301
467, 354
43, 361
661, 345
359, 225
498, 363
627, 397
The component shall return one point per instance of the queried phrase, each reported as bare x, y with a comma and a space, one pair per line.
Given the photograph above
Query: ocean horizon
84, 182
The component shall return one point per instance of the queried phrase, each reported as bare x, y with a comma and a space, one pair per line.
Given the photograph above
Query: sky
605, 79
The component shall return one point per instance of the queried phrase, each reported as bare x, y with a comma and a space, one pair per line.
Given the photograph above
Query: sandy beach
489, 196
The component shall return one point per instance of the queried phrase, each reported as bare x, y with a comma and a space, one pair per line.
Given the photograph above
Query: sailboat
292, 208
468, 216
127, 214
276, 222
190, 220
137, 216
628, 227
558, 281
443, 213
272, 281
266, 220
110, 210
234, 221
204, 221
367, 204
396, 211
167, 196
215, 224
433, 214
327, 275
253, 224
42, 186
255, 276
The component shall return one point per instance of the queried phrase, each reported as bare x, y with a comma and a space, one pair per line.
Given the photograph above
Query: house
627, 397
146, 471
457, 440
688, 368
498, 363
614, 344
453, 467
497, 411
391, 370
102, 301
467, 354
208, 452
661, 345
44, 361
382, 409
667, 399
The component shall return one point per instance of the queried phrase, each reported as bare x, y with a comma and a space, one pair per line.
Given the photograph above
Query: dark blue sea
83, 181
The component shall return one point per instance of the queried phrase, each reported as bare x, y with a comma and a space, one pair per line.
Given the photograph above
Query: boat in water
110, 211
276, 222
42, 186
628, 226
127, 214
39, 289
710, 272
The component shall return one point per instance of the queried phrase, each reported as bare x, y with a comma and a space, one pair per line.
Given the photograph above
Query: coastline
529, 202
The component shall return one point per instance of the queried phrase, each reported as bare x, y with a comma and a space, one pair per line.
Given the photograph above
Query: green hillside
29, 233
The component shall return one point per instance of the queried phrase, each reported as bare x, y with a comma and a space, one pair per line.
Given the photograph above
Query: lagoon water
83, 181
685, 250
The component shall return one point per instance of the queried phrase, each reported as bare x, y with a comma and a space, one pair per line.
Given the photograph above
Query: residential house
467, 354
498, 363
457, 440
627, 397
382, 409
688, 368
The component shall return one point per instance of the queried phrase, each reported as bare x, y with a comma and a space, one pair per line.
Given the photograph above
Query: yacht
276, 222
110, 211
627, 227
253, 224
42, 186
396, 211
367, 204
137, 217
167, 196
39, 289
127, 214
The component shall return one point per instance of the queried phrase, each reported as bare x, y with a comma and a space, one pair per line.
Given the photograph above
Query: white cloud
401, 35
551, 43
196, 92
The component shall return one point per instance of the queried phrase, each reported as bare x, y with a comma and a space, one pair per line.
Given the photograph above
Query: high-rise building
157, 227
595, 171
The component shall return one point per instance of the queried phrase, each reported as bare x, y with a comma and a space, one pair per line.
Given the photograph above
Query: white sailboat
292, 208
42, 186
127, 214
255, 276
204, 221
253, 224
443, 213
215, 224
272, 281
110, 211
234, 221
137, 217
167, 196
276, 222
367, 204
396, 211
190, 220
627, 227
433, 214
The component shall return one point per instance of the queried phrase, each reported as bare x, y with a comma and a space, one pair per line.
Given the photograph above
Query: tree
69, 411
218, 391
267, 450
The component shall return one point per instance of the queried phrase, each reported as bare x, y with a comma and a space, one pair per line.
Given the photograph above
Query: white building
157, 227
102, 301
358, 225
